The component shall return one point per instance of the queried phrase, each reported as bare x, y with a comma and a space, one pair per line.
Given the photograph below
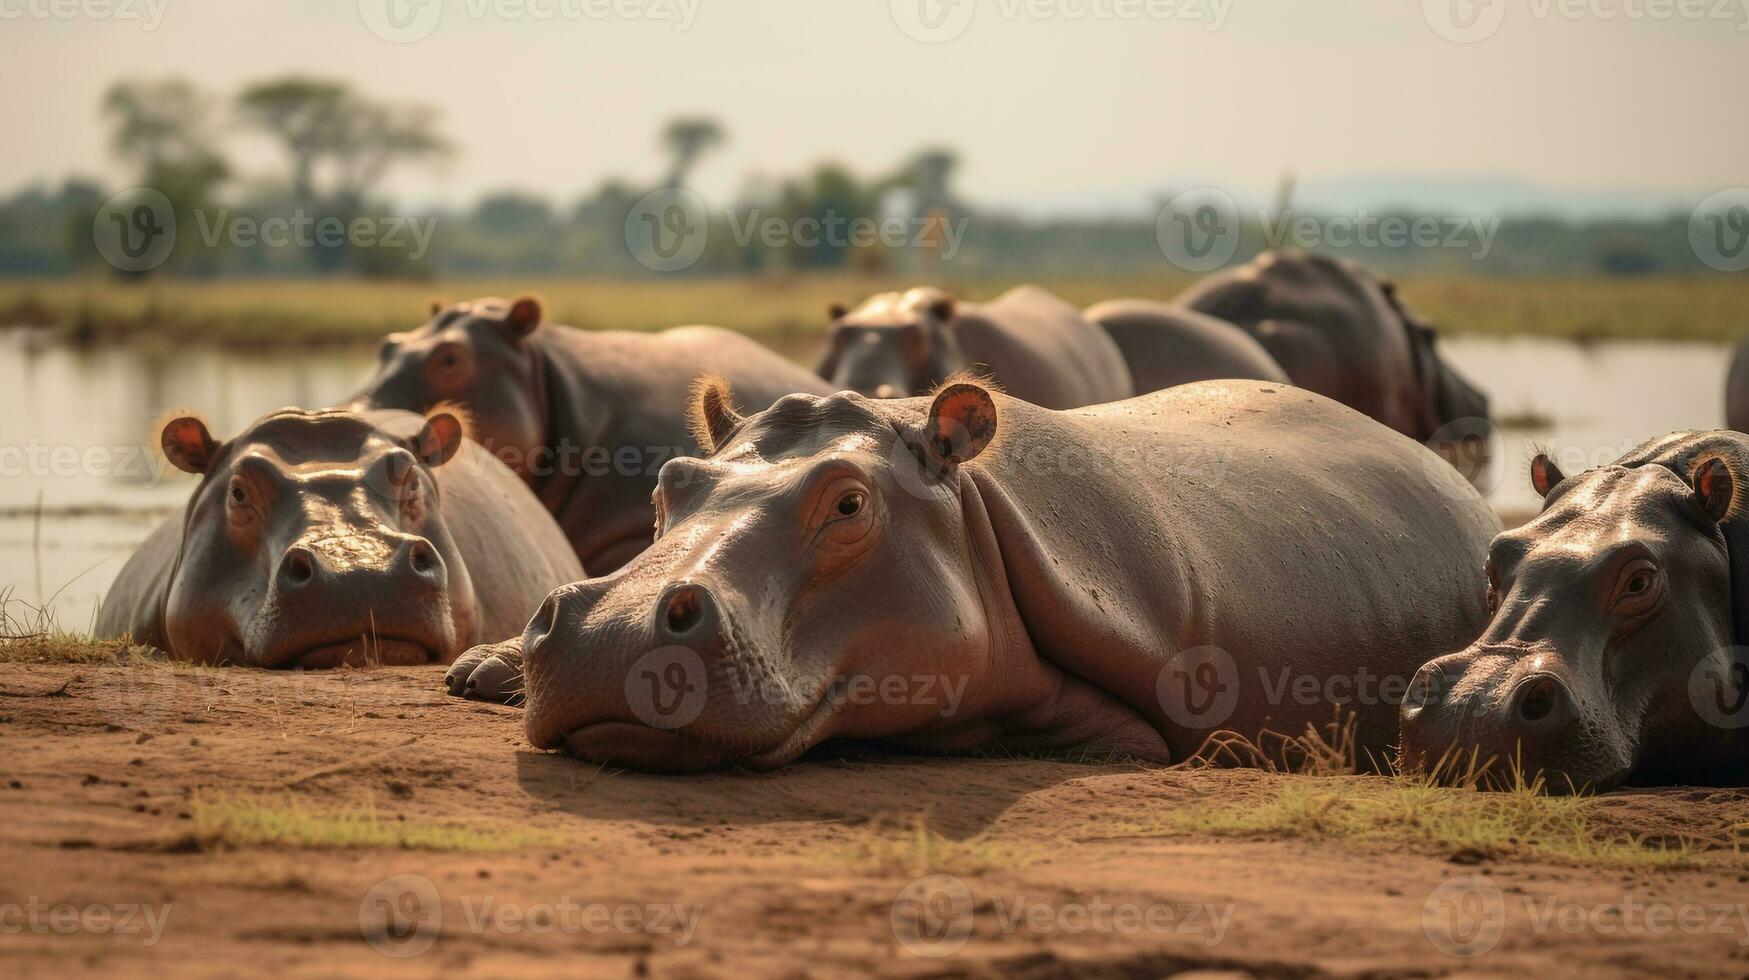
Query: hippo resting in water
1342, 333
1037, 347
1619, 647
1168, 345
317, 539
972, 571
586, 417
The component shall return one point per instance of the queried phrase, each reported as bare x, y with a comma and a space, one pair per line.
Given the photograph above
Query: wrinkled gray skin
1167, 345
1037, 347
1341, 332
587, 418
1737, 390
1609, 656
317, 539
1047, 565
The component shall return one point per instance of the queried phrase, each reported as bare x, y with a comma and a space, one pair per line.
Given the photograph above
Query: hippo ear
187, 444
439, 440
942, 308
436, 307
1716, 487
836, 311
961, 423
711, 413
524, 316
1545, 476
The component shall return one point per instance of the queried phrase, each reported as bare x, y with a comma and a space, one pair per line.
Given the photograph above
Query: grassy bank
788, 313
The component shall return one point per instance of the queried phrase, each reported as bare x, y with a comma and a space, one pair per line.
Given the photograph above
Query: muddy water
76, 429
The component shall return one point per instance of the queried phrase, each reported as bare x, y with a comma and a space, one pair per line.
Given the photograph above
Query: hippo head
1606, 608
475, 355
821, 544
1446, 396
316, 539
894, 345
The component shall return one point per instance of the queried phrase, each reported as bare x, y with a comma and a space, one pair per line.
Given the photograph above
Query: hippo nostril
299, 566
423, 557
685, 609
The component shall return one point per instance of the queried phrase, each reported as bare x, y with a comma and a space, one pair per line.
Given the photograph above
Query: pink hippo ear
961, 423
836, 311
710, 413
1716, 488
1545, 476
524, 318
439, 440
436, 307
187, 444
943, 308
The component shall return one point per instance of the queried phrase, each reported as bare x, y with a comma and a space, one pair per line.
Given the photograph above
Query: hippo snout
356, 599
1499, 716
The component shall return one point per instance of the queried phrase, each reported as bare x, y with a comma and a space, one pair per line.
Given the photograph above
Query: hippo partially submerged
586, 417
1619, 647
1035, 345
317, 539
1339, 331
970, 572
1168, 345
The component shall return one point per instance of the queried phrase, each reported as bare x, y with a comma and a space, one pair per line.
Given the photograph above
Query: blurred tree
688, 139
319, 121
305, 115
165, 128
511, 213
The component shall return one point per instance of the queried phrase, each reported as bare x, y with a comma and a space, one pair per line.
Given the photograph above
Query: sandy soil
814, 870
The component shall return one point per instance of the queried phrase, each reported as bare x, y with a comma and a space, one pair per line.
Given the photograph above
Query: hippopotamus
969, 572
1619, 644
585, 417
323, 538
1737, 390
1168, 345
1036, 346
1339, 331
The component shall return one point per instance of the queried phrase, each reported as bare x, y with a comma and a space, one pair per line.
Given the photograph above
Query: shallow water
76, 429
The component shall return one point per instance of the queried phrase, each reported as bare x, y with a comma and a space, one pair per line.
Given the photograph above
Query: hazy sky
1052, 103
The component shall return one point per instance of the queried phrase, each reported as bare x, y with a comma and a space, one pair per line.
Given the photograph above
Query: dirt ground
129, 794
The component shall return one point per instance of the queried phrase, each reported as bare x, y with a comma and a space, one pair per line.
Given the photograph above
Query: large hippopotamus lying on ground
970, 572
1168, 345
586, 417
1737, 390
317, 539
1339, 331
1619, 647
1036, 346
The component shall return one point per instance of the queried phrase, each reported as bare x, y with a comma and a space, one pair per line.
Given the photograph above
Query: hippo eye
237, 493
1639, 584
1639, 587
851, 503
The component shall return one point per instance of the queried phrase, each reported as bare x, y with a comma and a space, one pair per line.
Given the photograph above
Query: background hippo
1036, 346
321, 538
1610, 657
1339, 331
971, 571
586, 417
1168, 345
1737, 390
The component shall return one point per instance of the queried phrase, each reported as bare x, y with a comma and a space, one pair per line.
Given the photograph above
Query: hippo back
1168, 345
1040, 349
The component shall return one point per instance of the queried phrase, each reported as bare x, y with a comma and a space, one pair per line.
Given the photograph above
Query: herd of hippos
1112, 531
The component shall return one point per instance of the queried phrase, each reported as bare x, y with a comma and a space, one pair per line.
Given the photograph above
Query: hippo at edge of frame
1068, 573
586, 417
1737, 390
1342, 332
1166, 345
1034, 345
1619, 646
317, 539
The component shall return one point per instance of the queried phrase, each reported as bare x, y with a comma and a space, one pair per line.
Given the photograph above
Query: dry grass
284, 821
905, 845
788, 313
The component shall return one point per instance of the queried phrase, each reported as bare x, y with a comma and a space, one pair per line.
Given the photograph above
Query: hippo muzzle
1498, 715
